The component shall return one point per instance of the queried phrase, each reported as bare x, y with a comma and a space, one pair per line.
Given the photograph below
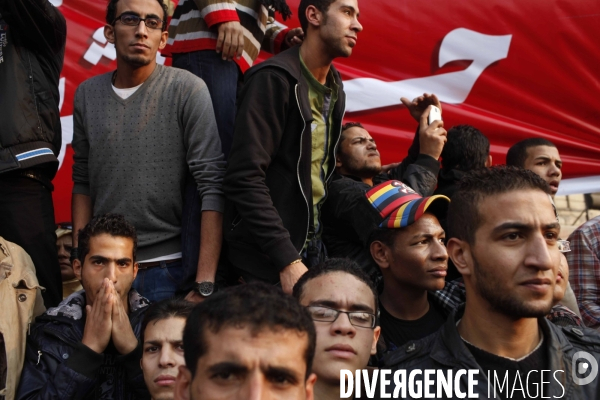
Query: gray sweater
132, 155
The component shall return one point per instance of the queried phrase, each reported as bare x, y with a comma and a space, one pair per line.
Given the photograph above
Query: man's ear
460, 253
136, 267
77, 268
338, 161
313, 16
183, 383
488, 162
163, 40
380, 253
310, 386
376, 333
109, 33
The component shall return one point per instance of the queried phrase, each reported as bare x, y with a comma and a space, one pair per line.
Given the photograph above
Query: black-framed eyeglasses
134, 20
361, 319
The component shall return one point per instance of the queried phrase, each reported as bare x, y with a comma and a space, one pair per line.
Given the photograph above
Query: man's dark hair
321, 5
111, 12
517, 154
463, 213
111, 224
165, 309
467, 149
335, 265
255, 305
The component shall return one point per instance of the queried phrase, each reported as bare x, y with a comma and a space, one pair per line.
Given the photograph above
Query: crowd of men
233, 238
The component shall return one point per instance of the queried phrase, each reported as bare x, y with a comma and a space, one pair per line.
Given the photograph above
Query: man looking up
138, 132
503, 233
248, 342
88, 347
358, 168
288, 124
540, 156
342, 302
162, 341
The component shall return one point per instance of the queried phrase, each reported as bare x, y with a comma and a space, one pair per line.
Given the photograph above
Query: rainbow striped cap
399, 205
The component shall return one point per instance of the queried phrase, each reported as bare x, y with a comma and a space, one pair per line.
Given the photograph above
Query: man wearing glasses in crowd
137, 132
342, 302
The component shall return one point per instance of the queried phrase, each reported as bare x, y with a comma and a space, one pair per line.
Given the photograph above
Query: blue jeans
160, 282
222, 79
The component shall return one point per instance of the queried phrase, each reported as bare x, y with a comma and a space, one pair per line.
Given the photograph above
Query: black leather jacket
445, 350
32, 46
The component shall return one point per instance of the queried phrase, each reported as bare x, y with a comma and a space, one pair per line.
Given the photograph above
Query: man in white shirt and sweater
137, 131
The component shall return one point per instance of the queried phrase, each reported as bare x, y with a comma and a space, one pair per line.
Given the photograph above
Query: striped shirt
193, 27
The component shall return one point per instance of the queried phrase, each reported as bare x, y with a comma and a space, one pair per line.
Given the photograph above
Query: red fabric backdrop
513, 69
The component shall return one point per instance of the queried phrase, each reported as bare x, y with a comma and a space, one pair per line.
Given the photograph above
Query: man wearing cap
407, 243
358, 168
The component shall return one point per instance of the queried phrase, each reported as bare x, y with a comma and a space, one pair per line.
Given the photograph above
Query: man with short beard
138, 132
503, 234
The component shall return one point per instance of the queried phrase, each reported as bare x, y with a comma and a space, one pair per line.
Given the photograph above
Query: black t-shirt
397, 332
523, 386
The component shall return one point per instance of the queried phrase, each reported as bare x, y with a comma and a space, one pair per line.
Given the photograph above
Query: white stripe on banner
34, 153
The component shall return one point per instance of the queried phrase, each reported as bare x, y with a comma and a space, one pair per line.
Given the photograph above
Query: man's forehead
531, 207
534, 152
142, 7
338, 288
165, 329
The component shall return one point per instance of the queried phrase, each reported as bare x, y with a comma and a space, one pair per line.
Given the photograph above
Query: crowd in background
233, 237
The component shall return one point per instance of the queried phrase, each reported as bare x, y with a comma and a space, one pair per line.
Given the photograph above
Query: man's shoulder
415, 353
589, 228
97, 81
581, 338
286, 64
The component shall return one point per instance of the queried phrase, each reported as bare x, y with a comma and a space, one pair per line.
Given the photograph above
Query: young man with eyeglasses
138, 133
342, 302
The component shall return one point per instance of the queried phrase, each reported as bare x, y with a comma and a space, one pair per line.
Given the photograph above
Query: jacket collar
72, 307
16, 266
289, 60
449, 349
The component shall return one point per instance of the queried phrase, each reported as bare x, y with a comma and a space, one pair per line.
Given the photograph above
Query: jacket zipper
298, 165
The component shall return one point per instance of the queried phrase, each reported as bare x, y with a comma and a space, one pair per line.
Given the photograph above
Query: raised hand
122, 334
432, 138
98, 323
418, 106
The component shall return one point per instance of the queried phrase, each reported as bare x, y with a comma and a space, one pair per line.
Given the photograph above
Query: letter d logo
583, 367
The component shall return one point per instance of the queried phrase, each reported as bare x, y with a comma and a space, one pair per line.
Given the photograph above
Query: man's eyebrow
124, 260
106, 259
523, 227
513, 225
227, 367
351, 8
333, 304
153, 342
428, 235
137, 14
553, 225
278, 372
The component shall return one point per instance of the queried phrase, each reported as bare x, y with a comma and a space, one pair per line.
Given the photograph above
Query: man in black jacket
358, 168
32, 46
503, 232
287, 128
87, 347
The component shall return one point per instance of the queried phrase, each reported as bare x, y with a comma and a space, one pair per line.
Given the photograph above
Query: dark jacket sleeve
37, 23
52, 377
419, 171
259, 127
133, 371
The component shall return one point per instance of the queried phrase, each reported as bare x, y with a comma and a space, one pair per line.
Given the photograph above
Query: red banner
512, 69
